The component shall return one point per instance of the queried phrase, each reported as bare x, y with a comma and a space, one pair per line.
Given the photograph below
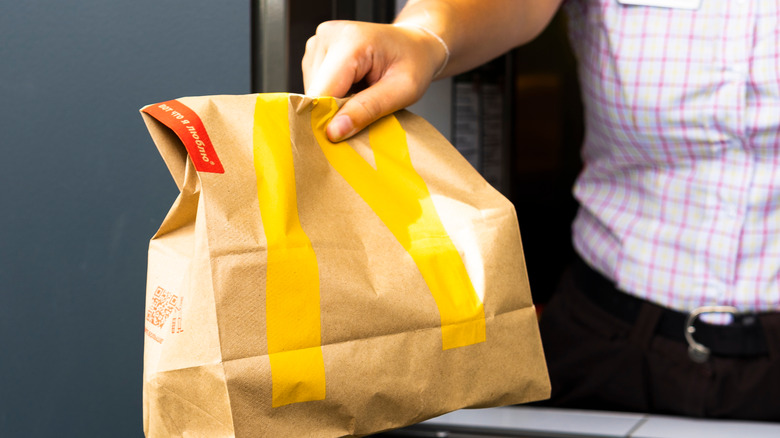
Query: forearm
399, 62
477, 31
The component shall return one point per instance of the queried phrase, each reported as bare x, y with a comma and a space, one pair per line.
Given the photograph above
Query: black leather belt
744, 336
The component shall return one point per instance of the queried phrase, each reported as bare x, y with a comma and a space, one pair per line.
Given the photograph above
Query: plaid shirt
680, 193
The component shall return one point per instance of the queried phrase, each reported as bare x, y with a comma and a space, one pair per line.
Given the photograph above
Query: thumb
384, 97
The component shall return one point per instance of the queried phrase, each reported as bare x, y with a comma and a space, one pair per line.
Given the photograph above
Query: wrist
431, 35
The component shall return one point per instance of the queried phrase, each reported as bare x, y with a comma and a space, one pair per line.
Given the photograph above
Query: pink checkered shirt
680, 194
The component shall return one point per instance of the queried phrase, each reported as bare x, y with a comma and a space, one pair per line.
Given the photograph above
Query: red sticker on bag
190, 130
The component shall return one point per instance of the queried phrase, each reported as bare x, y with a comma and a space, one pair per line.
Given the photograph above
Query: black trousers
598, 361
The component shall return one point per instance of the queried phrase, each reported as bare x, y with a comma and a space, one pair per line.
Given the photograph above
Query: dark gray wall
82, 190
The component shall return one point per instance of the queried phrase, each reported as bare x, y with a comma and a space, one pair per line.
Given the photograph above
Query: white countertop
554, 422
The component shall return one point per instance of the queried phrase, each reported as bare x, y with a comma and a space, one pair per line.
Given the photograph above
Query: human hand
396, 62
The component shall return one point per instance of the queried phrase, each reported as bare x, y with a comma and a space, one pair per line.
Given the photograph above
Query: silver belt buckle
699, 353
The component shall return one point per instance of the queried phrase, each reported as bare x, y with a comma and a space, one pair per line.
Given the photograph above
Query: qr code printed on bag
163, 304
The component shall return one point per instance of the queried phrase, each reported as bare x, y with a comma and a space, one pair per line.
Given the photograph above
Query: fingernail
339, 128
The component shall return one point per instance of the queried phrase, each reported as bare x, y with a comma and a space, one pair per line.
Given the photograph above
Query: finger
337, 72
389, 94
312, 58
317, 49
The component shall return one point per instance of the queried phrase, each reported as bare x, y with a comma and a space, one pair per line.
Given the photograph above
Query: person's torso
680, 193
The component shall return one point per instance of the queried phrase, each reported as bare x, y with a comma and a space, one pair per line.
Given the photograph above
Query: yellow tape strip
399, 196
292, 282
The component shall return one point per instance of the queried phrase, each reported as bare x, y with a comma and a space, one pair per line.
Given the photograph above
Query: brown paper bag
300, 288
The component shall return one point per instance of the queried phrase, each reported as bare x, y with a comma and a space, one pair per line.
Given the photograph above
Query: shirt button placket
734, 169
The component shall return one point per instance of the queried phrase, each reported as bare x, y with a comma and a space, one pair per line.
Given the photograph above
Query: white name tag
677, 4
